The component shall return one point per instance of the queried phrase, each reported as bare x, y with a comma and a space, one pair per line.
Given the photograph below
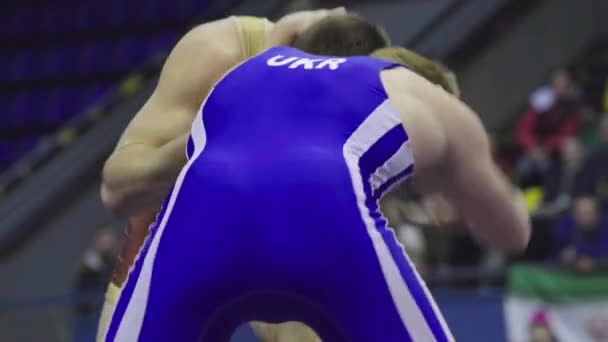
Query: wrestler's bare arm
150, 153
453, 158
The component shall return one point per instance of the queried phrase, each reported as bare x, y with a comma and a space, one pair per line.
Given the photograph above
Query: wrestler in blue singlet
275, 216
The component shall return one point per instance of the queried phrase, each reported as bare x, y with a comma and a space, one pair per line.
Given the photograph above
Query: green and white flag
572, 307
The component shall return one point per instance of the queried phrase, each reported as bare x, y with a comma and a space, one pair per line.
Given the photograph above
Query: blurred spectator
551, 117
91, 281
559, 181
554, 198
605, 97
587, 130
540, 330
581, 237
456, 255
592, 180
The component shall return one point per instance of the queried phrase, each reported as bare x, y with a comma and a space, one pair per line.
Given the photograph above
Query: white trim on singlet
198, 134
130, 326
399, 161
133, 317
375, 126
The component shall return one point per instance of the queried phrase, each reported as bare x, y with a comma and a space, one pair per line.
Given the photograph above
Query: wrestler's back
290, 112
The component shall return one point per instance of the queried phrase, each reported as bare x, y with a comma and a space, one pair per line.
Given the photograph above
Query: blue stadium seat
56, 20
187, 8
46, 66
22, 65
33, 64
164, 41
123, 13
7, 152
16, 21
61, 61
4, 104
28, 107
16, 111
95, 93
88, 16
130, 52
96, 56
101, 13
65, 104
5, 60
14, 150
160, 11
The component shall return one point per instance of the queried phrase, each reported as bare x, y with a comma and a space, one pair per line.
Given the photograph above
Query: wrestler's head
342, 35
425, 67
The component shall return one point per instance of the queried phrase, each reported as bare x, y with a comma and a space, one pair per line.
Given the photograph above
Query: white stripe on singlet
375, 126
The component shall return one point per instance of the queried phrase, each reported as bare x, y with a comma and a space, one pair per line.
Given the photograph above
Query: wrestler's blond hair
433, 71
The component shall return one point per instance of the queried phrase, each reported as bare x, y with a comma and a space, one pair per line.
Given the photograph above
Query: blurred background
74, 72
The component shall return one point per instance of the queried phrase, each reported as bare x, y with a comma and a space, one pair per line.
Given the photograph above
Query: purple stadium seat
188, 8
123, 13
15, 116
17, 111
96, 56
5, 103
59, 106
100, 13
13, 150
69, 18
12, 106
90, 15
56, 19
95, 93
161, 11
8, 150
33, 64
61, 61
129, 53
5, 60
164, 41
22, 65
16, 23
57, 54
27, 108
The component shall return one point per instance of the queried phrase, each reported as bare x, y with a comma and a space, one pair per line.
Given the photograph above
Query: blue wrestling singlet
275, 216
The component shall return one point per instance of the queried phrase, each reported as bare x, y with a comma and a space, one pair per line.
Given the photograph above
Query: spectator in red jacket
551, 117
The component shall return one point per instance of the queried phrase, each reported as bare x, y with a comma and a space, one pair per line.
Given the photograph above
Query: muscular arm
150, 153
453, 159
472, 182
468, 178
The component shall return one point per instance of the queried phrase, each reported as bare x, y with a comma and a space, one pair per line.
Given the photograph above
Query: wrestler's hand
287, 29
440, 210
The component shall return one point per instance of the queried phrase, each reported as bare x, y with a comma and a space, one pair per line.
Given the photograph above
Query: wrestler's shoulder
219, 37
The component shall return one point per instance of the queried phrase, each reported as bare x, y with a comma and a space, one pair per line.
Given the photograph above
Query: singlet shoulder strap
252, 34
